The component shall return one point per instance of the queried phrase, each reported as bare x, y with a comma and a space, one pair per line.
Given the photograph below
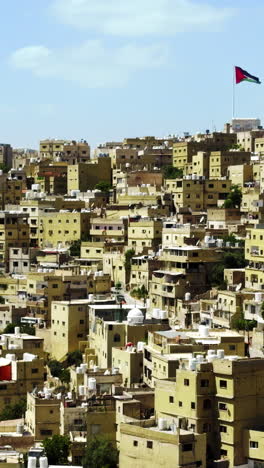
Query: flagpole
233, 92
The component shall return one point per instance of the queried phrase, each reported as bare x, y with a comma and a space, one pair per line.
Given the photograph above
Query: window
223, 384
232, 347
186, 382
180, 403
81, 322
34, 371
207, 404
171, 399
204, 383
135, 443
55, 286
110, 327
187, 447
223, 452
223, 429
46, 432
253, 444
207, 427
116, 338
80, 335
192, 405
222, 406
149, 444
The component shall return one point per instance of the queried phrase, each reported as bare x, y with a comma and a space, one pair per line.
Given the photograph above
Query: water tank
81, 390
258, 297
220, 354
91, 297
79, 370
69, 395
211, 358
115, 370
1, 172
219, 243
43, 462
211, 352
200, 358
12, 357
163, 315
17, 330
140, 346
228, 244
92, 384
107, 372
203, 331
162, 424
96, 368
83, 367
156, 313
20, 428
32, 462
206, 239
192, 364
187, 296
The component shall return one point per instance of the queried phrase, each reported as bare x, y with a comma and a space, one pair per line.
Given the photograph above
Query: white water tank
79, 370
200, 358
92, 384
163, 315
17, 330
187, 296
96, 368
258, 297
69, 395
206, 239
43, 462
32, 462
192, 364
20, 428
220, 243
140, 346
203, 331
83, 367
162, 424
211, 357
91, 297
220, 353
11, 357
211, 352
81, 390
107, 372
115, 370
156, 313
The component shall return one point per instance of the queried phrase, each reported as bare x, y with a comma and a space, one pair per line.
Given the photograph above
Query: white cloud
91, 64
140, 17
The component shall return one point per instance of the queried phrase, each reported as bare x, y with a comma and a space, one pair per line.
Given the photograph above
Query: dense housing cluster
132, 300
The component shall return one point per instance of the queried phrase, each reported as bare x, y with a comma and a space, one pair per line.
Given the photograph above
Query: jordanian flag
243, 75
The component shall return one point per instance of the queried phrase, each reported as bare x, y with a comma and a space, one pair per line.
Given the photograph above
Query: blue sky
109, 69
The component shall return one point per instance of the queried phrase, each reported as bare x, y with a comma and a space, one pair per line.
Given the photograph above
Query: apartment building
144, 235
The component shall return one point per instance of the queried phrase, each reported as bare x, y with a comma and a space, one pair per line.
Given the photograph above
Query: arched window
116, 338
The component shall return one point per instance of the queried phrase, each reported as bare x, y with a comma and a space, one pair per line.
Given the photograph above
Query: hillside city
132, 301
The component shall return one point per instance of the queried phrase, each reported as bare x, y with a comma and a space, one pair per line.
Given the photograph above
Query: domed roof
135, 313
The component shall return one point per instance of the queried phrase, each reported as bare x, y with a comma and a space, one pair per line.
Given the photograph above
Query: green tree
231, 259
103, 186
234, 198
15, 411
240, 323
55, 368
10, 328
171, 172
74, 358
4, 168
57, 449
75, 248
65, 376
100, 453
